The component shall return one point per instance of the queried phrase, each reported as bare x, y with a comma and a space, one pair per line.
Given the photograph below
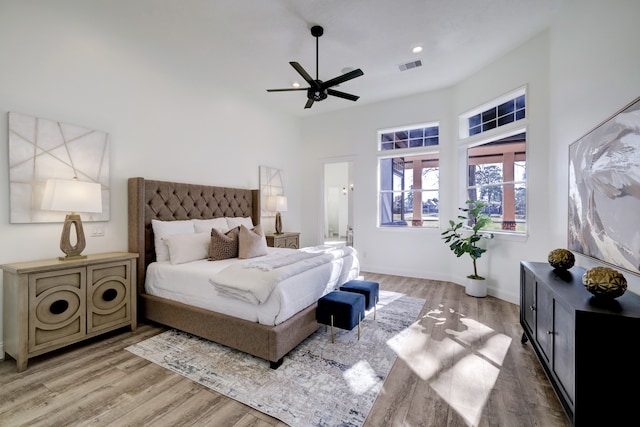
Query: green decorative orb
562, 259
604, 282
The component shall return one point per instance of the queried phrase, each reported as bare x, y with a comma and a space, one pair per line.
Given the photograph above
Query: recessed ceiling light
417, 49
295, 84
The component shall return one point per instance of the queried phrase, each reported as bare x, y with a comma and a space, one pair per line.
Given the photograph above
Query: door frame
350, 160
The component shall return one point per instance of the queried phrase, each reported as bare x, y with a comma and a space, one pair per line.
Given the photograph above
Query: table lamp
278, 204
72, 196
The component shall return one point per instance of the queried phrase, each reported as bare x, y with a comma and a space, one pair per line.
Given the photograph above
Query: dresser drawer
56, 308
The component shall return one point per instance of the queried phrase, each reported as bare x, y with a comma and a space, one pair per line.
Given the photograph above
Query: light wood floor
466, 367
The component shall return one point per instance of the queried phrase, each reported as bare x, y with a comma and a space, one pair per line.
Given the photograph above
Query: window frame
467, 142
408, 152
463, 119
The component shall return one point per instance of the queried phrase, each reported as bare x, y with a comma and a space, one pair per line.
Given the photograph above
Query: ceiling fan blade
342, 95
287, 89
309, 103
341, 79
304, 74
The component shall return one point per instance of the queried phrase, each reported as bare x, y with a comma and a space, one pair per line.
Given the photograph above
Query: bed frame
168, 201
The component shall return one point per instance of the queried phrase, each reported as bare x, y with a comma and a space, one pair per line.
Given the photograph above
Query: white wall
528, 65
352, 133
166, 120
421, 252
578, 73
594, 73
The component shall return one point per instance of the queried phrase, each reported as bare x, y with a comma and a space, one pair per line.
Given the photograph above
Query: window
497, 175
409, 138
497, 165
409, 180
501, 112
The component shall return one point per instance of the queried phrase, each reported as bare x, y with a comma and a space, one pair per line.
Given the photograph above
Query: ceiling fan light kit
319, 90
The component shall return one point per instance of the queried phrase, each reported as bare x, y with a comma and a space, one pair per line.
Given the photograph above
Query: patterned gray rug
318, 384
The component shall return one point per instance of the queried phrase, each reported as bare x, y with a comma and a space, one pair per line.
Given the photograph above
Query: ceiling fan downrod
317, 31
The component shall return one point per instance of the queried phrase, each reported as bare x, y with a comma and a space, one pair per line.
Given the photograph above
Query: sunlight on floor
361, 378
462, 365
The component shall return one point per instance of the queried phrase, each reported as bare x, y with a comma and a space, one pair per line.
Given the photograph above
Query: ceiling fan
319, 90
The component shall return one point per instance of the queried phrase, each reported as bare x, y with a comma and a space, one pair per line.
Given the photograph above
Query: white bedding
189, 283
253, 282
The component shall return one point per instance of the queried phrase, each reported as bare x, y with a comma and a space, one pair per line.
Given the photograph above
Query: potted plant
463, 240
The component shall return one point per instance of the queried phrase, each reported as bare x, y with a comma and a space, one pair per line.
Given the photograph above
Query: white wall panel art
41, 149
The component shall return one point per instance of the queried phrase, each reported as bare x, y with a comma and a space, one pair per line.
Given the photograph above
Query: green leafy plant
464, 240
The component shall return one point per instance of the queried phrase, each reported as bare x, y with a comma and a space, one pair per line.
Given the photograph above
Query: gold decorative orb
604, 282
562, 259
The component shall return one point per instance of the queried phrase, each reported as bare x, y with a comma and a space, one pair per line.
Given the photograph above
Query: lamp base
278, 223
73, 251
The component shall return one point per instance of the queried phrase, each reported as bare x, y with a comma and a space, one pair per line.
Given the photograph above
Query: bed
264, 334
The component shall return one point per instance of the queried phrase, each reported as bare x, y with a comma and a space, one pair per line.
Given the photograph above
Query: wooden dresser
283, 240
49, 304
586, 346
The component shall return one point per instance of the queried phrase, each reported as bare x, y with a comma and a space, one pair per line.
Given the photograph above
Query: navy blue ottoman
370, 290
343, 310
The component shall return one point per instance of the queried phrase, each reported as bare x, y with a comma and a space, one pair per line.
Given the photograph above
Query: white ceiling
247, 45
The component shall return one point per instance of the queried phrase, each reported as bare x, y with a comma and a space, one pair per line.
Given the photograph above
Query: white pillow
187, 247
202, 225
167, 228
237, 221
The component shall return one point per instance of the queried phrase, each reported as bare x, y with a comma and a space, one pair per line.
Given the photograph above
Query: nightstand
284, 240
49, 304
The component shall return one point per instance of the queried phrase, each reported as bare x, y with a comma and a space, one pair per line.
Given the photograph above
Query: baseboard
1, 350
406, 273
498, 293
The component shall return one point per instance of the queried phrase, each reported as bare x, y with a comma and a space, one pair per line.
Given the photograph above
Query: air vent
410, 65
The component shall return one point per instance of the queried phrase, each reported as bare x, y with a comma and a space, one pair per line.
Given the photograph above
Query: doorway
338, 203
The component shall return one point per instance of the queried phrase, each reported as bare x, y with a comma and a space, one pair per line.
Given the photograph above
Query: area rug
318, 383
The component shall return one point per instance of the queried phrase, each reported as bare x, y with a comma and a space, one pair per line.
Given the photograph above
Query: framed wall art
604, 191
42, 149
271, 184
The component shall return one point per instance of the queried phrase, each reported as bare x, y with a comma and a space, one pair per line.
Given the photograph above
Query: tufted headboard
168, 201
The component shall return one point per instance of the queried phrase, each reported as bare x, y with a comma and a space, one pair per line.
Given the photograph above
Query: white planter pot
476, 287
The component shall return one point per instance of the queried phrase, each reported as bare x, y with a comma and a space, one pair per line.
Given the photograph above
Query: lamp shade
72, 196
276, 203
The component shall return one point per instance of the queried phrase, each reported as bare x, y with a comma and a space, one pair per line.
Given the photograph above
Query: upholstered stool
370, 290
343, 310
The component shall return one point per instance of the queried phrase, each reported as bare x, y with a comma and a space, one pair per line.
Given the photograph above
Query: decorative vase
604, 282
476, 287
562, 259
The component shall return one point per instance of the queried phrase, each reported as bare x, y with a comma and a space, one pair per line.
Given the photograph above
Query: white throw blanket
253, 281
280, 260
336, 252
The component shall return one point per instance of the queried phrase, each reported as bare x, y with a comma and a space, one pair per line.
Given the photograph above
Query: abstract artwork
271, 184
41, 149
604, 191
